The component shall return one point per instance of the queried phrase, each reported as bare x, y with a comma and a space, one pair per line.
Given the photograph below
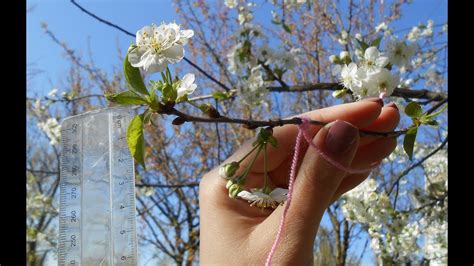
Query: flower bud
334, 59
229, 183
228, 170
344, 54
358, 36
234, 190
179, 121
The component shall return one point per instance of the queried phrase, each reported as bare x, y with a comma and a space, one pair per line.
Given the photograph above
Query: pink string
303, 132
290, 196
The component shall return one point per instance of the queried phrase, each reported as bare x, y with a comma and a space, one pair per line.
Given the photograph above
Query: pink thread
303, 132
289, 196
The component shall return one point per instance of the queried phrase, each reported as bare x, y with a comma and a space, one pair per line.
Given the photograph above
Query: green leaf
363, 45
147, 115
409, 141
276, 22
219, 95
413, 110
427, 121
376, 42
168, 75
133, 77
169, 93
273, 141
432, 115
126, 98
286, 27
135, 139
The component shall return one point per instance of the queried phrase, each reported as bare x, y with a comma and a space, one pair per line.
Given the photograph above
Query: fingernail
340, 138
374, 99
392, 104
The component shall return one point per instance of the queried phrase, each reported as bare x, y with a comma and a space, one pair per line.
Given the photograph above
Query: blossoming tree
235, 69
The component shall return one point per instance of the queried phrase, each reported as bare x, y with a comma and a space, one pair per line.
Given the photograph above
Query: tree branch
398, 92
252, 124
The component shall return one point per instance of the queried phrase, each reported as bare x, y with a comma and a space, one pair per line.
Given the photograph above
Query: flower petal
174, 54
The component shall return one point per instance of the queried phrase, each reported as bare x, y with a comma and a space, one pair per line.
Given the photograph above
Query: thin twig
193, 184
133, 35
413, 166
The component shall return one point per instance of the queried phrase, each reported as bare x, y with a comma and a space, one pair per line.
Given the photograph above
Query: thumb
317, 180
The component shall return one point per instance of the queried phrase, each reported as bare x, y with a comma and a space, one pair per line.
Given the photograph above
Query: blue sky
78, 30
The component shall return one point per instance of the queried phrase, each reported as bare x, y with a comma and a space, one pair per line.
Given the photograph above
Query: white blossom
253, 88
445, 28
158, 46
433, 77
399, 52
381, 82
233, 58
344, 54
262, 200
382, 26
230, 3
414, 34
428, 30
52, 129
351, 77
52, 93
374, 60
186, 85
343, 38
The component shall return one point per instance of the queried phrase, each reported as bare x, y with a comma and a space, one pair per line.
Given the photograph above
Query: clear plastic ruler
97, 224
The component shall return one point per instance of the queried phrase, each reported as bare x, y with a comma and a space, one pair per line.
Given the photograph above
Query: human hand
234, 233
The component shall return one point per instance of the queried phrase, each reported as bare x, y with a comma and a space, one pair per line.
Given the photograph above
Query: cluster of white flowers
158, 46
433, 77
253, 88
392, 234
400, 53
247, 63
231, 3
294, 3
280, 58
52, 129
369, 77
420, 31
436, 241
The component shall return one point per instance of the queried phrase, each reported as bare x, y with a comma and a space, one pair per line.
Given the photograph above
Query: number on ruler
74, 170
73, 217
74, 128
74, 148
118, 122
73, 193
73, 240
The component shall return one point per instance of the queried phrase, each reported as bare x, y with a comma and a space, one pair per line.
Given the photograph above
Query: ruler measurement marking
120, 167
